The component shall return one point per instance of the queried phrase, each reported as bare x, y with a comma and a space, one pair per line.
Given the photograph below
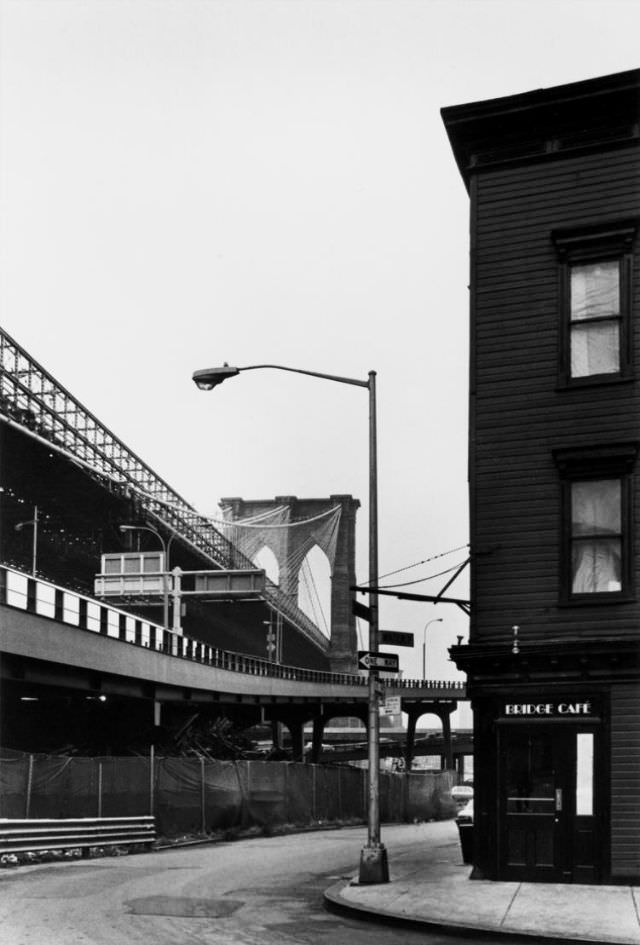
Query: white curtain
596, 526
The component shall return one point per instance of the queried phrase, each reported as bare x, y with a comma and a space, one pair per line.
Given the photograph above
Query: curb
335, 902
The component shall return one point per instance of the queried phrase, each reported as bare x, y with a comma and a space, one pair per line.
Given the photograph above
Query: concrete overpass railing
33, 595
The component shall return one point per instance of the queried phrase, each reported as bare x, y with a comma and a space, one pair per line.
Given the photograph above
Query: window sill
597, 380
597, 600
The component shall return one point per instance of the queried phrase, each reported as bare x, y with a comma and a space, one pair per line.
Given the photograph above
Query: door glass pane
584, 774
530, 776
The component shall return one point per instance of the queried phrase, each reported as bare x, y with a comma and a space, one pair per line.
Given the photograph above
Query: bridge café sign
563, 709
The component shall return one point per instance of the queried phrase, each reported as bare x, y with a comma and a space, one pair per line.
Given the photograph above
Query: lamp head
208, 378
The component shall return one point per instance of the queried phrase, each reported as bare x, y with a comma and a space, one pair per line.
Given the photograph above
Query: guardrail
30, 836
45, 599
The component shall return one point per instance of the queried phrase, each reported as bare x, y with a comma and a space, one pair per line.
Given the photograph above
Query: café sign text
538, 709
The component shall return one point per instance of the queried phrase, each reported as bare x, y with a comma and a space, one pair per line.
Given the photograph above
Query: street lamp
166, 545
373, 859
34, 546
424, 644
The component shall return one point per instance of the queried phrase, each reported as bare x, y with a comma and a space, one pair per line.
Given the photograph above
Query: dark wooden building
552, 661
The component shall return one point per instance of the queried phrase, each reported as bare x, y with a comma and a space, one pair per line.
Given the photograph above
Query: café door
548, 816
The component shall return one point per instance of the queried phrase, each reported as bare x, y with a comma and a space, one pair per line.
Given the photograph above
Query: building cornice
545, 124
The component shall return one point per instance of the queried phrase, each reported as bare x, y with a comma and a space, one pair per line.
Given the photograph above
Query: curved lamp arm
208, 378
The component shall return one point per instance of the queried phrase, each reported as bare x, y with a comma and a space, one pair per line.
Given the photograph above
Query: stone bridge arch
270, 522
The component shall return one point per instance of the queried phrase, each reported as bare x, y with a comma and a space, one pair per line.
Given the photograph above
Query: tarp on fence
197, 796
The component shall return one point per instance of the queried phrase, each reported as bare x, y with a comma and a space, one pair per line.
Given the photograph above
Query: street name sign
396, 638
388, 661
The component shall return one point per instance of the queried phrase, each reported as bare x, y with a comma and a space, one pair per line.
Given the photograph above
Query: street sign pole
374, 867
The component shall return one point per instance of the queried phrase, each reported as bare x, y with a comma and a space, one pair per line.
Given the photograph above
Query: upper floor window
595, 298
596, 536
597, 522
595, 316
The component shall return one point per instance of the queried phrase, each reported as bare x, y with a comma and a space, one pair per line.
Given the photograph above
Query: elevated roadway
55, 638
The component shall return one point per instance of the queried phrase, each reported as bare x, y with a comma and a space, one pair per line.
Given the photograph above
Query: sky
188, 183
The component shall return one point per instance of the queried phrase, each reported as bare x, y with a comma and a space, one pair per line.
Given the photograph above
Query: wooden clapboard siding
519, 415
625, 781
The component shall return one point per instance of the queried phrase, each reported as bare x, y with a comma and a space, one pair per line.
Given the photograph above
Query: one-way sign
388, 661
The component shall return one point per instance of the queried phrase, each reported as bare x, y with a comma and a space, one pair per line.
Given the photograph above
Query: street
252, 892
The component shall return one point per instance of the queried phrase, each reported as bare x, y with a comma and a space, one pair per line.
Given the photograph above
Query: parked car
462, 794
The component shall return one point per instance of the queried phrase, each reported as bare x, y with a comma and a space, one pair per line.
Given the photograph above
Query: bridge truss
33, 400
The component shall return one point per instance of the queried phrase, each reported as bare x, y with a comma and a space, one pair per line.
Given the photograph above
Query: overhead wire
429, 577
417, 564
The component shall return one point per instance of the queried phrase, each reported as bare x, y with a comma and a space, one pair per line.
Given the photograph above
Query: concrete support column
276, 735
412, 722
316, 743
445, 717
296, 730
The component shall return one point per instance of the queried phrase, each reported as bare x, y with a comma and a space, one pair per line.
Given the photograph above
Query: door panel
547, 804
530, 797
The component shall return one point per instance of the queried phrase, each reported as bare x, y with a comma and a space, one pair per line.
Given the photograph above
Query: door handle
558, 800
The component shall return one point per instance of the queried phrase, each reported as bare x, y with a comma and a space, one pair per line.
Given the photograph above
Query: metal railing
20, 836
45, 599
33, 399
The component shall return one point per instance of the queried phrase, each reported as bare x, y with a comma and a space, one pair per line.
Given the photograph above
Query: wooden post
203, 820
27, 811
314, 789
99, 789
151, 780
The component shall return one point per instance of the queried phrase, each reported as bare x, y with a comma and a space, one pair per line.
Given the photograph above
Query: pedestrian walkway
433, 888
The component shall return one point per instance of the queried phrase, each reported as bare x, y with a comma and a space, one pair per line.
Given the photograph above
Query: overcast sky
187, 183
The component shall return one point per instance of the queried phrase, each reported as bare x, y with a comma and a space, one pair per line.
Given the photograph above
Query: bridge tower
291, 527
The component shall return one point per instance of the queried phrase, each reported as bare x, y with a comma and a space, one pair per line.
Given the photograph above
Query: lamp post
424, 644
166, 545
373, 859
34, 546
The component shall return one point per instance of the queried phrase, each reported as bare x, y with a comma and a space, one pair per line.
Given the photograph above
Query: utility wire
408, 567
429, 577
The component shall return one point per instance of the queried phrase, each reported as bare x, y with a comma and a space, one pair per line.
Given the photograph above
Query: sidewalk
434, 889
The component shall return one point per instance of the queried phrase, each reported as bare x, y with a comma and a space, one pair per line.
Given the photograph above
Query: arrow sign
388, 661
396, 638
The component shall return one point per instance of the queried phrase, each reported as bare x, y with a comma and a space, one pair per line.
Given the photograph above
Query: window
596, 545
595, 301
594, 311
596, 536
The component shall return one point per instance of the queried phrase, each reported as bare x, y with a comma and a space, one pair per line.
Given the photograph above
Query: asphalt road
264, 891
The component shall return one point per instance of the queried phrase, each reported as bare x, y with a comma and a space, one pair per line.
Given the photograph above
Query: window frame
593, 464
584, 246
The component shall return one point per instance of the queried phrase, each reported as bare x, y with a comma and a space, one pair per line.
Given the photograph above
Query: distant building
554, 183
